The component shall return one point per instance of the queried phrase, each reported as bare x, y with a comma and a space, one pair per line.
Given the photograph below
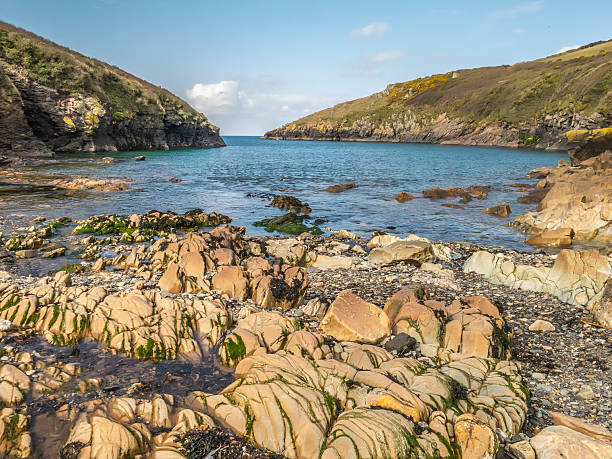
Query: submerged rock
501, 210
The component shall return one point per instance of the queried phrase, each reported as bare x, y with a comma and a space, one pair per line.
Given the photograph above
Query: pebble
541, 326
586, 393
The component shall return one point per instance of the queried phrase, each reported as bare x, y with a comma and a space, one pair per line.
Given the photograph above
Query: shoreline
450, 143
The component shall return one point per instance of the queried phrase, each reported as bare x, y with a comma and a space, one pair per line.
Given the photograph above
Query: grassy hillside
577, 81
70, 72
72, 102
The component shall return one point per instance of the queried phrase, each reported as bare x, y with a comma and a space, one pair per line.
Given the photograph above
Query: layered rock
577, 198
303, 395
575, 277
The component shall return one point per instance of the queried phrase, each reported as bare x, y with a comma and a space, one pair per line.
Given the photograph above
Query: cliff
53, 99
528, 104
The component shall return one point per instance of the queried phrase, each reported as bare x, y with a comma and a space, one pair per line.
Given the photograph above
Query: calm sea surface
219, 180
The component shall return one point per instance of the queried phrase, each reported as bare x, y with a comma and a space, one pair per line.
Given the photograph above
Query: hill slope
526, 104
53, 99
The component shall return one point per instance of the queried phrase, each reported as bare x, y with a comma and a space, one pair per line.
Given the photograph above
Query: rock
576, 277
522, 450
403, 197
340, 187
466, 194
336, 262
231, 280
401, 343
26, 253
14, 385
60, 251
556, 442
561, 237
501, 210
585, 393
587, 143
541, 326
290, 204
140, 158
601, 307
175, 180
475, 438
579, 198
349, 318
592, 430
107, 160
314, 308
84, 183
5, 325
412, 252
172, 279
563, 163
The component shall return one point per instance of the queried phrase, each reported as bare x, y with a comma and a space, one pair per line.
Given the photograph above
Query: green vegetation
234, 350
71, 73
517, 95
290, 223
72, 268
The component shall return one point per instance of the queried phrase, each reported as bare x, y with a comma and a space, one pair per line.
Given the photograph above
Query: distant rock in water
53, 99
340, 187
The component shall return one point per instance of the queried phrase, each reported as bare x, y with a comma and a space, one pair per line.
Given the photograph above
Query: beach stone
14, 383
562, 442
541, 326
501, 210
579, 425
401, 343
585, 393
349, 318
475, 438
5, 325
231, 281
561, 237
413, 252
140, 158
522, 450
336, 262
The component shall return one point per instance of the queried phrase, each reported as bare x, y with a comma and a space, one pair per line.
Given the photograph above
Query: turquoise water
219, 180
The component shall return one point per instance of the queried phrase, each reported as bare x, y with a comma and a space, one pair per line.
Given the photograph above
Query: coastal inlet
221, 178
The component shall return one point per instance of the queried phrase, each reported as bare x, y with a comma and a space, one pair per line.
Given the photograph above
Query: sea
238, 179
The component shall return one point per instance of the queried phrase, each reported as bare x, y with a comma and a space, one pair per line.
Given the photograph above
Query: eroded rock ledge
419, 375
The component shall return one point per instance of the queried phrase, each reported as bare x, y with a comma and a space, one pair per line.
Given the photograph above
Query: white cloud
249, 107
371, 65
387, 56
371, 30
215, 97
519, 10
567, 48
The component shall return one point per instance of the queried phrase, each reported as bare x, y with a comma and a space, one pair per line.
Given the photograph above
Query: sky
253, 65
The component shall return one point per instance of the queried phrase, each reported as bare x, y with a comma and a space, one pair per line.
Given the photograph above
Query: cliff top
579, 80
69, 72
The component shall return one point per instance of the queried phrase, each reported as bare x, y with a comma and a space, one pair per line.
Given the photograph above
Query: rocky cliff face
529, 104
547, 132
55, 100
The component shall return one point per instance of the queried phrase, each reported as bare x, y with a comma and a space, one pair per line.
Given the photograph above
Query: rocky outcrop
587, 143
53, 99
576, 277
576, 198
305, 396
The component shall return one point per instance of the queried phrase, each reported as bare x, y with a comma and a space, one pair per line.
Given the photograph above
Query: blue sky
252, 65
